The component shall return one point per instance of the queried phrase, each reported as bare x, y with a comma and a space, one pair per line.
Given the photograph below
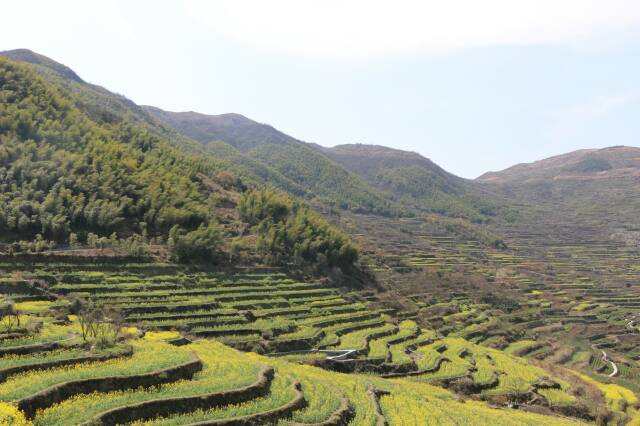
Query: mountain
79, 165
373, 161
385, 182
585, 164
26, 55
590, 193
235, 129
362, 178
415, 180
325, 182
316, 176
66, 171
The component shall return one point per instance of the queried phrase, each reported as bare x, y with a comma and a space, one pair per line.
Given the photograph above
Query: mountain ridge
233, 128
26, 55
584, 163
371, 172
363, 177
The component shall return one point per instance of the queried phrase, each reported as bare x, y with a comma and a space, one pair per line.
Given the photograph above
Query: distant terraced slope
585, 164
591, 194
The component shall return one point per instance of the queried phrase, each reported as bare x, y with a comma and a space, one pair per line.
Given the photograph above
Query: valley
189, 269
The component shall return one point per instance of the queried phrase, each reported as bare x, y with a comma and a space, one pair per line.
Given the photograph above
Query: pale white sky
473, 85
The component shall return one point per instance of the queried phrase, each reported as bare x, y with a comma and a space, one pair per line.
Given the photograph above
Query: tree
99, 323
9, 316
114, 320
199, 245
289, 231
88, 315
73, 240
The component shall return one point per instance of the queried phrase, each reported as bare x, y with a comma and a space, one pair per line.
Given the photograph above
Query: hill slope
235, 129
415, 180
316, 175
75, 169
370, 160
325, 181
26, 55
362, 178
585, 164
63, 170
591, 193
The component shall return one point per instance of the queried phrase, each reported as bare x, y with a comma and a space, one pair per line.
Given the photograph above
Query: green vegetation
464, 301
264, 310
63, 173
198, 245
290, 231
260, 151
69, 178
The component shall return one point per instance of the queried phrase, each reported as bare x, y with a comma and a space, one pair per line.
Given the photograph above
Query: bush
200, 245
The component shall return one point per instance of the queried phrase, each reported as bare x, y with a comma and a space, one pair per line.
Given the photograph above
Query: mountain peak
366, 159
26, 55
375, 150
235, 129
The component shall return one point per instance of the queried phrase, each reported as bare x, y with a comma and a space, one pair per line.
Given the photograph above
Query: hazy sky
475, 85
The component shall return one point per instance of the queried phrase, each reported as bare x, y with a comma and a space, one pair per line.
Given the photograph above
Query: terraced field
259, 309
172, 362
558, 295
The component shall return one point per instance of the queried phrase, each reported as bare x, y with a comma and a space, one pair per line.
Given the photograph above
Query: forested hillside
360, 178
63, 171
388, 182
315, 176
73, 172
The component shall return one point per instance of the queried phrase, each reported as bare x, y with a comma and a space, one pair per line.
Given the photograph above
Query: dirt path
605, 358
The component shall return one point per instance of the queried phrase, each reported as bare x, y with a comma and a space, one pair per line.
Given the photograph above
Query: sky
474, 85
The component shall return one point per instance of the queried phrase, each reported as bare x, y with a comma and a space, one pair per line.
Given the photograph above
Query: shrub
201, 244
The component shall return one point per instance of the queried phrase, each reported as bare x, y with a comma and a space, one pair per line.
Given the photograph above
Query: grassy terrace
267, 311
223, 370
238, 306
570, 295
573, 292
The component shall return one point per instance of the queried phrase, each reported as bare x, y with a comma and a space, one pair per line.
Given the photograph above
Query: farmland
148, 276
554, 295
317, 352
431, 343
